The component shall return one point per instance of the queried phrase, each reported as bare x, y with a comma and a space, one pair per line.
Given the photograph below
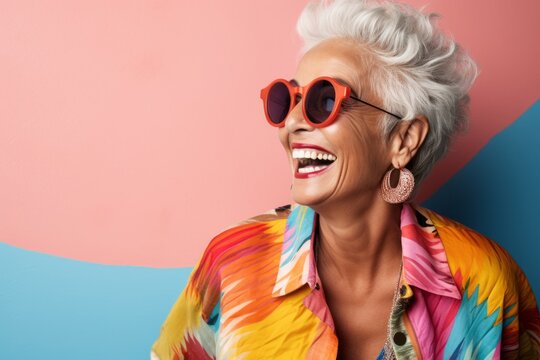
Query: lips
310, 160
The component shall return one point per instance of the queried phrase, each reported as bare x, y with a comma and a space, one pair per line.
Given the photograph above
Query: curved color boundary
57, 308
122, 140
497, 192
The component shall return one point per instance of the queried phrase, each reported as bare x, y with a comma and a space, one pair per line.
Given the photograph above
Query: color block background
132, 132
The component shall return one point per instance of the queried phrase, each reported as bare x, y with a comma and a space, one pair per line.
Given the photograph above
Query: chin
308, 195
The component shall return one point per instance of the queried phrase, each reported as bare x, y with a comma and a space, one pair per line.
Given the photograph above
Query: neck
360, 242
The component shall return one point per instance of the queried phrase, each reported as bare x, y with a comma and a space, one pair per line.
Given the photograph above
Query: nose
295, 121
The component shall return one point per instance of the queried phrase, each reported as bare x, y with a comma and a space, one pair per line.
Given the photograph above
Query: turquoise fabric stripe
302, 216
56, 308
473, 322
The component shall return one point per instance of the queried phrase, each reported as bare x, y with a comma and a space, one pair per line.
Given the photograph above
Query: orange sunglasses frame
342, 92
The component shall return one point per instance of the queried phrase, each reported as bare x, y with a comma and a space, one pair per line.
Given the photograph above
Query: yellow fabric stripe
283, 334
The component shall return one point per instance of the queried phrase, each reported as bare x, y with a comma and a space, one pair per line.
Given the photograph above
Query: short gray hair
421, 70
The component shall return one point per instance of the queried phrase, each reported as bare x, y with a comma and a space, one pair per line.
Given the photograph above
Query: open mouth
310, 161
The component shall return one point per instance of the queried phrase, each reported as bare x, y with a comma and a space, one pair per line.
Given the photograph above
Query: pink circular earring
403, 189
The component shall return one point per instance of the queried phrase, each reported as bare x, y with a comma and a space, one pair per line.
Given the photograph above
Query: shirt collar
425, 264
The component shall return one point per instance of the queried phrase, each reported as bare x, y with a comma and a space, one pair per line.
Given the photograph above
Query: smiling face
354, 140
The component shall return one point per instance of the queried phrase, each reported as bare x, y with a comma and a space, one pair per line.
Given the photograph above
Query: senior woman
354, 270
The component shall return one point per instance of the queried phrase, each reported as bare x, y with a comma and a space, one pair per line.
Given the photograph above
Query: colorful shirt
255, 295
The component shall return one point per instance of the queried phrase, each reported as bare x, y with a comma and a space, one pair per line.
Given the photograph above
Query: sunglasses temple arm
376, 107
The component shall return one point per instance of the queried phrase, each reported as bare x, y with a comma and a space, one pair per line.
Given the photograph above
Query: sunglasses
323, 98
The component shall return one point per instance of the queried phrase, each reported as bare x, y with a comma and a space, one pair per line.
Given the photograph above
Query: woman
353, 270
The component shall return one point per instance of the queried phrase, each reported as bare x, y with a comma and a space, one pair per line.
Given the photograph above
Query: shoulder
230, 266
490, 281
470, 254
484, 272
253, 231
239, 251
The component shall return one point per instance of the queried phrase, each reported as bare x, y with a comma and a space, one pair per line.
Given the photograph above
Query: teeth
310, 169
312, 154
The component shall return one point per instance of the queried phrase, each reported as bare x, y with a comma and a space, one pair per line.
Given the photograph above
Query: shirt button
403, 290
317, 286
400, 338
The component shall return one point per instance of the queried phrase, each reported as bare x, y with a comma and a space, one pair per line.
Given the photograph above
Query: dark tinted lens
320, 101
278, 102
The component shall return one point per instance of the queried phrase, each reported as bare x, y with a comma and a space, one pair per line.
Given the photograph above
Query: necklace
388, 350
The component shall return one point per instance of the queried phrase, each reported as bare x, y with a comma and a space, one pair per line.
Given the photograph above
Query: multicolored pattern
253, 295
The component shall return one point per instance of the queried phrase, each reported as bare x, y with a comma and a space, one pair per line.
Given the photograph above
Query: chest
360, 321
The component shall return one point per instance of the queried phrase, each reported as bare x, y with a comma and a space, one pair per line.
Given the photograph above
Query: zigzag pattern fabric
253, 295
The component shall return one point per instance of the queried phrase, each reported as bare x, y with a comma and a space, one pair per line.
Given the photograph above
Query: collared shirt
255, 294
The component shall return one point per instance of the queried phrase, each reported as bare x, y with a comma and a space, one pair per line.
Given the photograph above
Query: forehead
338, 58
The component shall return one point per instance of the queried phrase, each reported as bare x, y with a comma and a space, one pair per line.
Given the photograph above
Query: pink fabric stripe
432, 317
424, 259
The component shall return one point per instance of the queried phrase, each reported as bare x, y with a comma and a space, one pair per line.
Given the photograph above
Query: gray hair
420, 70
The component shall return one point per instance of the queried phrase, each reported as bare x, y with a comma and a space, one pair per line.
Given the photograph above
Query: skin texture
359, 252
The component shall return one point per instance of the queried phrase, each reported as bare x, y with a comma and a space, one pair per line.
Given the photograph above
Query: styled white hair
419, 70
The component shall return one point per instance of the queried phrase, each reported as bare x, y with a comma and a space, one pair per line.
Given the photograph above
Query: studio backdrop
132, 132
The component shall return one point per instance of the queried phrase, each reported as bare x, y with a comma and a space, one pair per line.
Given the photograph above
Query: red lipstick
310, 146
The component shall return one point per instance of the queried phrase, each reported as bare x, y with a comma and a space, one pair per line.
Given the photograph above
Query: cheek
365, 133
363, 154
354, 139
283, 138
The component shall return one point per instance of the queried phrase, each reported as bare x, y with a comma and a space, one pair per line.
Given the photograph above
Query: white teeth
310, 169
313, 154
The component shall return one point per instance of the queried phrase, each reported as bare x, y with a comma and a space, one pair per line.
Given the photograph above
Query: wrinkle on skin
362, 228
359, 238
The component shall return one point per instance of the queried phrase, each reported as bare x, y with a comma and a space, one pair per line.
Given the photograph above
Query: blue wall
498, 192
56, 308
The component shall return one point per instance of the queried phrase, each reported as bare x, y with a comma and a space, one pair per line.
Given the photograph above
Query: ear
406, 139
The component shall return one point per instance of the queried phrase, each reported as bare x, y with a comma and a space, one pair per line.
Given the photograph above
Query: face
354, 139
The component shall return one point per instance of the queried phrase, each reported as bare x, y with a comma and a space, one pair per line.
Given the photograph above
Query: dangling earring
403, 189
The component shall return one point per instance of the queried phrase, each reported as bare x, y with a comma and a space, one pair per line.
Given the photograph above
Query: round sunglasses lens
320, 101
278, 102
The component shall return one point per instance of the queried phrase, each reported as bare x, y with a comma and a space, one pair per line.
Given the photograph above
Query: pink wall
132, 131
